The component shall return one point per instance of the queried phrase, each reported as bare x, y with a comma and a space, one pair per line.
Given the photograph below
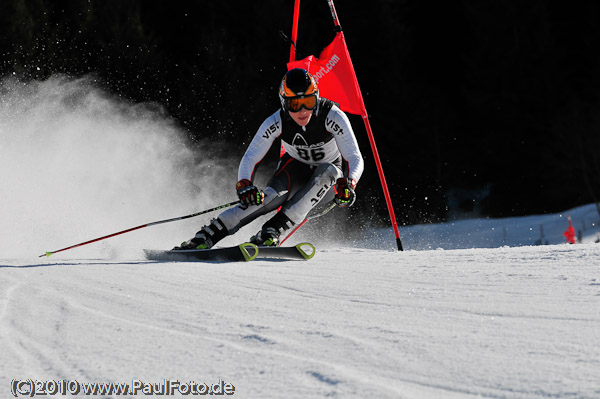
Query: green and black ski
303, 251
243, 252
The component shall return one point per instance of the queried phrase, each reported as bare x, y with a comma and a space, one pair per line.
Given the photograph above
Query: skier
321, 153
570, 232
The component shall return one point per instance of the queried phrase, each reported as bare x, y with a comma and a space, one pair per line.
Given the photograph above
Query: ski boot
267, 237
207, 237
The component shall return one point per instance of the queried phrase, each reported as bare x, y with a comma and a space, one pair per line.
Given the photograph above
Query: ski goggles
295, 104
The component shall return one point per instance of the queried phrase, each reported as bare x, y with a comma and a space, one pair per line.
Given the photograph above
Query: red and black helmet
298, 90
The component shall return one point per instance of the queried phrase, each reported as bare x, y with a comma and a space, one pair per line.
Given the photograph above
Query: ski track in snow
351, 323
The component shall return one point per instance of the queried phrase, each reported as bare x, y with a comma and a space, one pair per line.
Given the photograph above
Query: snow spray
78, 162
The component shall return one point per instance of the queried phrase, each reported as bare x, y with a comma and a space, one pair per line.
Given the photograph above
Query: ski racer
322, 162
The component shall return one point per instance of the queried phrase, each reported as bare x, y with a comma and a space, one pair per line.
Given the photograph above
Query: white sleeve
260, 145
339, 126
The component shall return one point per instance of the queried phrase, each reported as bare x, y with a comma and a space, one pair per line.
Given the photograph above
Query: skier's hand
248, 193
344, 192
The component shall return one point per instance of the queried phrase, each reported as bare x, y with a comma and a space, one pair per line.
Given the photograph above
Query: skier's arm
346, 141
260, 145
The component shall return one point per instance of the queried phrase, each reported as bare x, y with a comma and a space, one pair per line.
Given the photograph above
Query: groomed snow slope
351, 323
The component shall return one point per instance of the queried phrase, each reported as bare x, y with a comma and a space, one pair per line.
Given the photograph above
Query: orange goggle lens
295, 104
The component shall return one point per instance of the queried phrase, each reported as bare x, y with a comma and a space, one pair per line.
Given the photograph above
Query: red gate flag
337, 81
335, 75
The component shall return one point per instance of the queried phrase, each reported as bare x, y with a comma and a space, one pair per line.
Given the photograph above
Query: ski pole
145, 225
323, 212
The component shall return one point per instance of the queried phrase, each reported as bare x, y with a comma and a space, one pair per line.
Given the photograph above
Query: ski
303, 251
239, 253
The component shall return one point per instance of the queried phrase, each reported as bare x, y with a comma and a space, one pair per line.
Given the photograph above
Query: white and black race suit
316, 155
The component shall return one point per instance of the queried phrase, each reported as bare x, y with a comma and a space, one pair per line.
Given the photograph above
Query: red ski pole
323, 212
142, 226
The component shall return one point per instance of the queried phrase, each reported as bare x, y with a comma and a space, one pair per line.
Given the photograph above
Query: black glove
344, 192
248, 193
